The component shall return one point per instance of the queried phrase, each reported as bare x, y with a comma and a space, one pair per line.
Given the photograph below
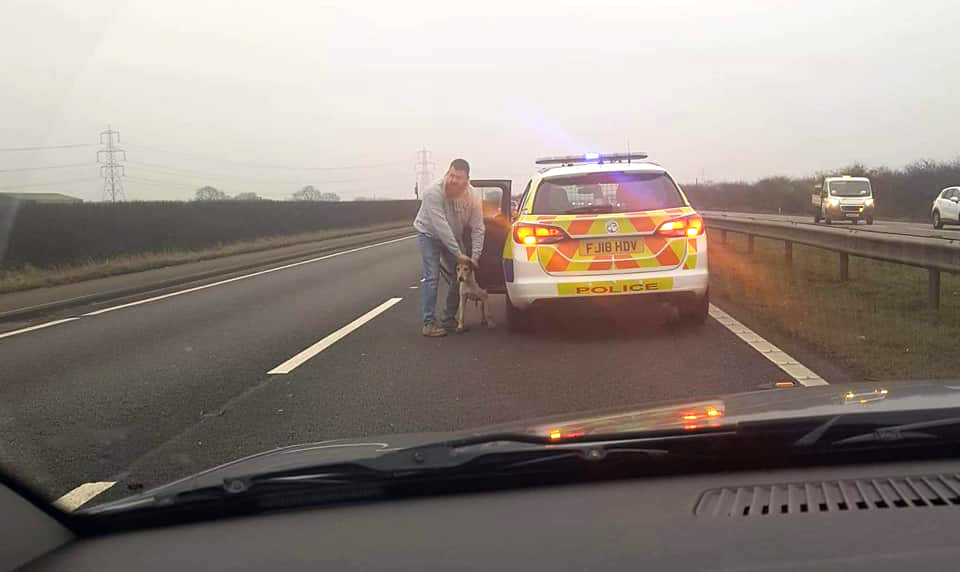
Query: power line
44, 148
47, 184
268, 166
304, 179
42, 167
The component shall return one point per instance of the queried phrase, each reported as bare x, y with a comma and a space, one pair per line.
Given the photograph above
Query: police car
599, 225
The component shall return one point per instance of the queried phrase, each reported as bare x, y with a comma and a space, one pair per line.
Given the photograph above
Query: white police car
597, 226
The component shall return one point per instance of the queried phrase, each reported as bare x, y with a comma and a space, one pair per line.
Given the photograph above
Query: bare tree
209, 193
308, 193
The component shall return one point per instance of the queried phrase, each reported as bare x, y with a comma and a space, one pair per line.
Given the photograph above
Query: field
46, 235
877, 324
28, 277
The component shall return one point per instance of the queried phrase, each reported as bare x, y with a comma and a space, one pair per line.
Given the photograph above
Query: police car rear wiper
600, 209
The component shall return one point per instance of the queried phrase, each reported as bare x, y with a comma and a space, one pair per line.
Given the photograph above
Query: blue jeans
431, 250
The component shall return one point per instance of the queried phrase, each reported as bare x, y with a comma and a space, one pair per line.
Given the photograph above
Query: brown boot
432, 330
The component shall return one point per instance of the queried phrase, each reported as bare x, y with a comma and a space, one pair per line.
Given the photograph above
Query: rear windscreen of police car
606, 192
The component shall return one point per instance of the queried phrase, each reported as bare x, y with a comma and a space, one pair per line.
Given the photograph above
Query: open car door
496, 220
495, 196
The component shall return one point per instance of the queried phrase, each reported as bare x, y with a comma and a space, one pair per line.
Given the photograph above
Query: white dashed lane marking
299, 359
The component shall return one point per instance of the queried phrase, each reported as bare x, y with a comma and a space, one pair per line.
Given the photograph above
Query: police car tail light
531, 234
690, 226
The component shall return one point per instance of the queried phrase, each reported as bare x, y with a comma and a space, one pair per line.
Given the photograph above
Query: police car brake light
690, 226
532, 234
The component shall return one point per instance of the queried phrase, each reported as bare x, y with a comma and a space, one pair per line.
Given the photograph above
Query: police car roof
586, 168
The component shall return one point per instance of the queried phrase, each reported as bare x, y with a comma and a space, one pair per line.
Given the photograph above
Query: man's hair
461, 165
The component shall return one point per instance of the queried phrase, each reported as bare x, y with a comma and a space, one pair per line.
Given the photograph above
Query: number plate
611, 247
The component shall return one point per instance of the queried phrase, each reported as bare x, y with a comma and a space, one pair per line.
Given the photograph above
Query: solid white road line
37, 327
298, 360
244, 277
82, 495
197, 288
780, 358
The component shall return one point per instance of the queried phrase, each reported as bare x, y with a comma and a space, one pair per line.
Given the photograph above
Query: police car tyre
518, 320
937, 221
816, 217
869, 220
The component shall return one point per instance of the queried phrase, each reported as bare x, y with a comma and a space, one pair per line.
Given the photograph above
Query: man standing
449, 206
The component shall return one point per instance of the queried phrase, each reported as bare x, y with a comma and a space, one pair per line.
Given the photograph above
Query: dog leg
487, 314
463, 302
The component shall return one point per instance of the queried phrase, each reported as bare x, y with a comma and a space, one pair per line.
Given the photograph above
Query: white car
603, 226
946, 207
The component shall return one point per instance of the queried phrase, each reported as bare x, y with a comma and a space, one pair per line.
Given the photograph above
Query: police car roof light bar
591, 158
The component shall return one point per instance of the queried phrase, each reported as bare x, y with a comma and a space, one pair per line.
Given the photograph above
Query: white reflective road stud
796, 370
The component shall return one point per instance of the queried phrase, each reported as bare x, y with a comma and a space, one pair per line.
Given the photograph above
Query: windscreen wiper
919, 430
498, 454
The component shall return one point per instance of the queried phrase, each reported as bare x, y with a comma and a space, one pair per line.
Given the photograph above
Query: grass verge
877, 324
29, 277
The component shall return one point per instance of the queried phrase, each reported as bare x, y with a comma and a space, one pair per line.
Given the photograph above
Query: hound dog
470, 290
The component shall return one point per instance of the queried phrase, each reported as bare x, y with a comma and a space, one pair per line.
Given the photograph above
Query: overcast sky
270, 96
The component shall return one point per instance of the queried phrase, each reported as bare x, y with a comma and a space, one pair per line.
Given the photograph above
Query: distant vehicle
598, 225
843, 198
946, 207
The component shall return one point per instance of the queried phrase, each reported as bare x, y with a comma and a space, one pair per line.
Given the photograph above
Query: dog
470, 290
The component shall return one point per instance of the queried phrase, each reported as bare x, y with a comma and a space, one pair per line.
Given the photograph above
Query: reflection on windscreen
606, 192
850, 188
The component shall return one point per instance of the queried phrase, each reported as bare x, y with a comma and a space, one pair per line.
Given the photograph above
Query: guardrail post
788, 252
933, 288
749, 244
844, 267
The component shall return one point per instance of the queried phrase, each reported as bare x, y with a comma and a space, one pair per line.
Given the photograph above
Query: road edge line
783, 360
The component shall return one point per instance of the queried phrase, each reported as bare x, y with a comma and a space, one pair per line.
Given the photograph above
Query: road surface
140, 394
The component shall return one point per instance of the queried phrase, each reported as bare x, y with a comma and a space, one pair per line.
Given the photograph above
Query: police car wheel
937, 222
518, 320
816, 217
869, 220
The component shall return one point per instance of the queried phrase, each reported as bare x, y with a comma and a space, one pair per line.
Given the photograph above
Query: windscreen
228, 227
850, 188
615, 192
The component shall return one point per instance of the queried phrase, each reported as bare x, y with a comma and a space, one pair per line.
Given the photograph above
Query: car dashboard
858, 517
